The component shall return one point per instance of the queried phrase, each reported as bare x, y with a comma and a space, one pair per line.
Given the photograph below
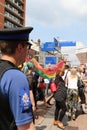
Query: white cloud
64, 18
56, 13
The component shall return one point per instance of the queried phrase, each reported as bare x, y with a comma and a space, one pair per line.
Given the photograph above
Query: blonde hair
73, 72
80, 69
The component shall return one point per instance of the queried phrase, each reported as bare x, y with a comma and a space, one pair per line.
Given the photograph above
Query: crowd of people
21, 88
70, 101
70, 94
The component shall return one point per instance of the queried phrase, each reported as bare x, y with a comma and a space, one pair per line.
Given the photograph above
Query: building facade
82, 57
12, 13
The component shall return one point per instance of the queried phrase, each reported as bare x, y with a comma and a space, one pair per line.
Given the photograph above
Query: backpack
6, 117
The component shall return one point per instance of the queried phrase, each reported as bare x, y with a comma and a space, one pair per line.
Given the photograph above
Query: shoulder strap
58, 86
66, 75
6, 65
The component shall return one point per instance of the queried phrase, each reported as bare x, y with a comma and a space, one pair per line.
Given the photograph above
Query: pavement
46, 118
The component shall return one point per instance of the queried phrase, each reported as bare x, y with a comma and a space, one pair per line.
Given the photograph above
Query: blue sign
50, 60
67, 43
51, 46
48, 46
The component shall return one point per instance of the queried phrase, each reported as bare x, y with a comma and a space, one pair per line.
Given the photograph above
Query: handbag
53, 87
80, 84
42, 85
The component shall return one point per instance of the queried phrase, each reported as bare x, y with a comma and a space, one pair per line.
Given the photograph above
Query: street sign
50, 60
67, 43
48, 46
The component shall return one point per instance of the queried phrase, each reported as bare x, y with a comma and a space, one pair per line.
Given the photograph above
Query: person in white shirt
72, 92
81, 88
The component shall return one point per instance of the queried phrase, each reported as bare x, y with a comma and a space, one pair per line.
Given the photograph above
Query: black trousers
60, 109
82, 95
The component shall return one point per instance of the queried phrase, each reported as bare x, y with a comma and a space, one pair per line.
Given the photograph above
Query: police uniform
14, 84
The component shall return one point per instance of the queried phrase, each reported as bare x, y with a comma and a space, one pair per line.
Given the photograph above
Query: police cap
19, 33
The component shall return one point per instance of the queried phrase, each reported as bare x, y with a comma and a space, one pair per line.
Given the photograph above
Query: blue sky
66, 19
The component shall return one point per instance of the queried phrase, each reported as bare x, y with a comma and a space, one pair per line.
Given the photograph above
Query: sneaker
60, 125
85, 111
73, 117
56, 122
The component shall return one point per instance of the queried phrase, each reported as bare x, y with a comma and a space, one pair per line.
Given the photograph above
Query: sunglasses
28, 46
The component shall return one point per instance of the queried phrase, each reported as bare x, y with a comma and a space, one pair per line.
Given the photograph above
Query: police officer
15, 104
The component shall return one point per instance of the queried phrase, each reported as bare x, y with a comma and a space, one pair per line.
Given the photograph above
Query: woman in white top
81, 88
72, 92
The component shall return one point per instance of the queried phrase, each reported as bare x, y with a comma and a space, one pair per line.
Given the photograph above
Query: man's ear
19, 47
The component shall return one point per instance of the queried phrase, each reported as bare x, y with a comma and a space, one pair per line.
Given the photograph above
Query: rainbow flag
49, 72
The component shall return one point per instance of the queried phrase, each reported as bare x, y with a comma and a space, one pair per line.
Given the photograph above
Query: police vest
6, 117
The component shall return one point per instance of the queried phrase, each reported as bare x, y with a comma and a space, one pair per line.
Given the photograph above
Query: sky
62, 19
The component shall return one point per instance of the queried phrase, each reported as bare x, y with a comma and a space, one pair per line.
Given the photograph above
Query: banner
49, 72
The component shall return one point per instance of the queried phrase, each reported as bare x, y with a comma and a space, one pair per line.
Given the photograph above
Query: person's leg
83, 99
63, 110
45, 103
57, 108
61, 114
44, 99
48, 101
56, 113
46, 90
74, 103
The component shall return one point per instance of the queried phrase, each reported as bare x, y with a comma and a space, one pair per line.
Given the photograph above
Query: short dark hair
67, 66
9, 47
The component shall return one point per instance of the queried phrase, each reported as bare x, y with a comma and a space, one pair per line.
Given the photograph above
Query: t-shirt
72, 82
14, 85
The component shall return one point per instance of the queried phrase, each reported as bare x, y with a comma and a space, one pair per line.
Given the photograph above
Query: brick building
12, 13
